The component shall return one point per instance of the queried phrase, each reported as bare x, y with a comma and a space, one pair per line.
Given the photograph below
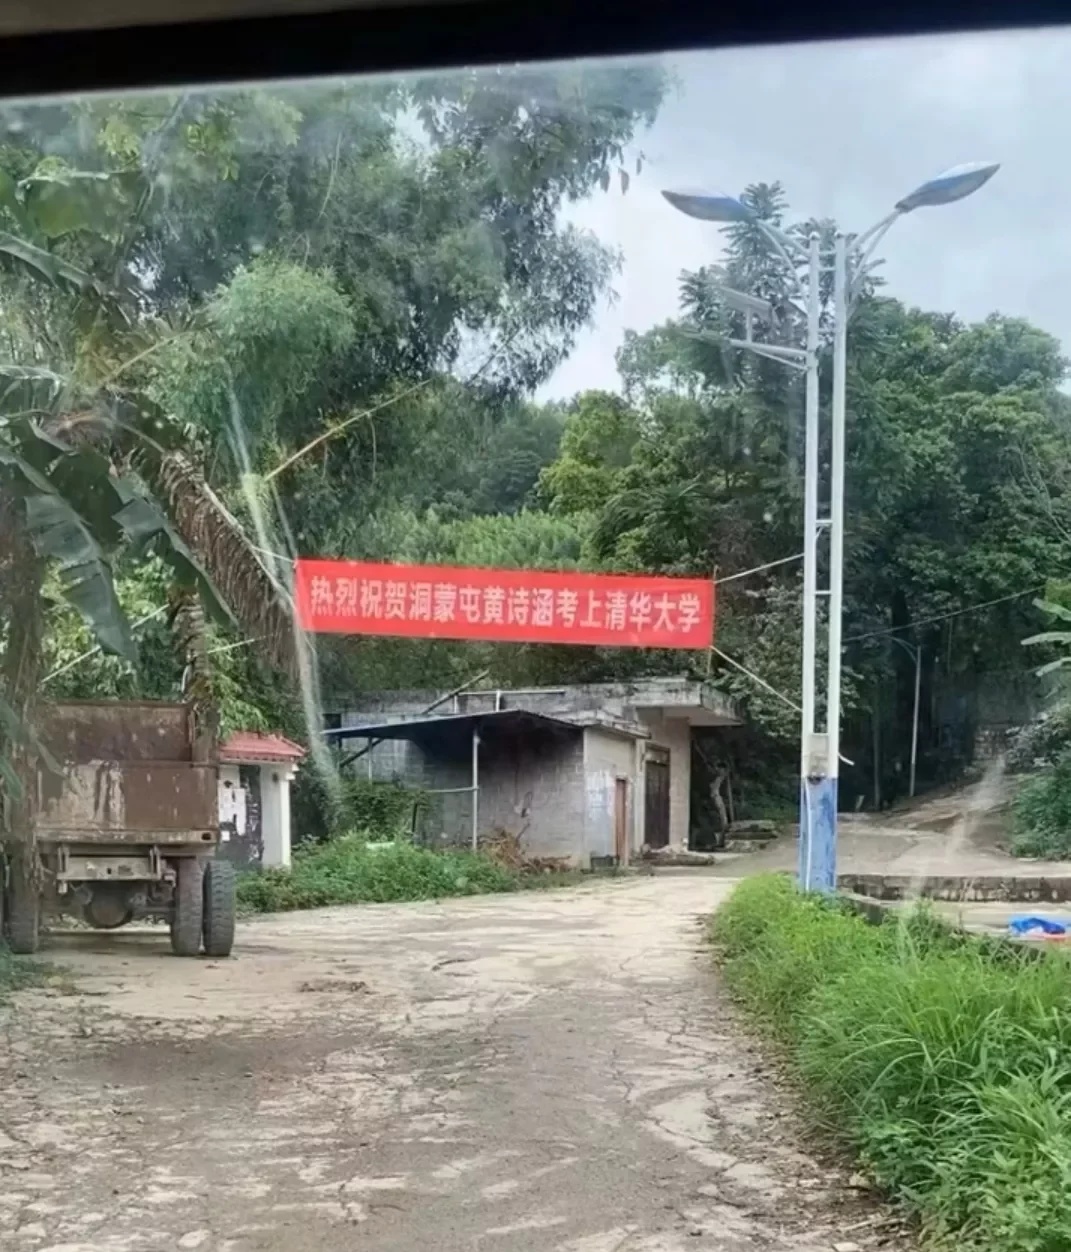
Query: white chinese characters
525, 610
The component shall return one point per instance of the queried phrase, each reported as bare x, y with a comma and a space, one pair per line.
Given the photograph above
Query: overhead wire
943, 617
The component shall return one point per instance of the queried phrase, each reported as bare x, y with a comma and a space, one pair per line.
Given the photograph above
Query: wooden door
621, 821
656, 810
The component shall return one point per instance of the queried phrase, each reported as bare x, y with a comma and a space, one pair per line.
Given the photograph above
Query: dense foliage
1043, 813
943, 1062
1043, 745
323, 809
377, 270
956, 439
343, 298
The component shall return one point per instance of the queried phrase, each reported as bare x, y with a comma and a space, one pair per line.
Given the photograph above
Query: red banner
520, 606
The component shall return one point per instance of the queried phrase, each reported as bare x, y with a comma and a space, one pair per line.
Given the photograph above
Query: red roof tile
251, 745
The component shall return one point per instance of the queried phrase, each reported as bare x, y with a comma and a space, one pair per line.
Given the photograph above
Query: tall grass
349, 870
945, 1063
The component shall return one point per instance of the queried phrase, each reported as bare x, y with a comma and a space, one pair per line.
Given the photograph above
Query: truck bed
130, 772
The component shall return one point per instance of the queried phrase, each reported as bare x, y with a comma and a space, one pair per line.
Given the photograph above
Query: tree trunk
190, 633
20, 603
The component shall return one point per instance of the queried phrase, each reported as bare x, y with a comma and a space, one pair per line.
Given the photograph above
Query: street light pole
820, 765
809, 749
824, 875
820, 753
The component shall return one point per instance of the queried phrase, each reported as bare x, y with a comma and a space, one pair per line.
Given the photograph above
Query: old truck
126, 828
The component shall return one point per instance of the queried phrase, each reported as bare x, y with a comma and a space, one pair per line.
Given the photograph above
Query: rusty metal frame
131, 773
196, 839
74, 867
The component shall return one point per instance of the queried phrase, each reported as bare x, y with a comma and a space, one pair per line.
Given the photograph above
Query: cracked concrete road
550, 1072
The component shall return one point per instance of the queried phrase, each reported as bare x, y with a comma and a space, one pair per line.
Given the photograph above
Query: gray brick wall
447, 820
532, 785
563, 807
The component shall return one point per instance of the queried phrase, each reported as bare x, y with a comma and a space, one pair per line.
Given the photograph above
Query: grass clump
945, 1063
349, 870
1043, 814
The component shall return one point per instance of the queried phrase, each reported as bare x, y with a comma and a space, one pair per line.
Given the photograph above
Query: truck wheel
23, 913
187, 911
219, 908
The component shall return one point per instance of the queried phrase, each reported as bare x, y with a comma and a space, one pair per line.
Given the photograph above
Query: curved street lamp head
953, 184
709, 206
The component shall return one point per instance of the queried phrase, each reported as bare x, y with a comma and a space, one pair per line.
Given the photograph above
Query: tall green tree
92, 472
958, 443
356, 282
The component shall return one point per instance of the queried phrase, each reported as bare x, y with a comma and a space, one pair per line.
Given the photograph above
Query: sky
849, 128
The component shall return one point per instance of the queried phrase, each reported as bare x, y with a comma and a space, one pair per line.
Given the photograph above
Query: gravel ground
555, 1071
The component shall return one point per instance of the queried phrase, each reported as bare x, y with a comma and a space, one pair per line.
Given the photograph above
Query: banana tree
91, 472
1057, 638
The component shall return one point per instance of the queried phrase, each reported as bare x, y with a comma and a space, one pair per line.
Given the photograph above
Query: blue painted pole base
818, 834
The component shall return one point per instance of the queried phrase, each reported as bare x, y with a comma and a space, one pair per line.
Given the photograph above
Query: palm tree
91, 470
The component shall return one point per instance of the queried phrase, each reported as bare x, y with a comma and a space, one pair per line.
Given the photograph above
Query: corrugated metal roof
429, 727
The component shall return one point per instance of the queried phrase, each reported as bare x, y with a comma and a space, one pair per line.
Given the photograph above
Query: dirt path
511, 1074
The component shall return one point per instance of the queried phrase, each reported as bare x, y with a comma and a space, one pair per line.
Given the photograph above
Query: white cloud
848, 128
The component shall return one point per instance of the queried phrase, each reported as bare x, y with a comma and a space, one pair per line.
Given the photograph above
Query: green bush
946, 1063
1043, 741
1043, 814
383, 807
349, 870
320, 811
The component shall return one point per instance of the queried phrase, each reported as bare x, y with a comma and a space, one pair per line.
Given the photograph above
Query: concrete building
255, 772
580, 773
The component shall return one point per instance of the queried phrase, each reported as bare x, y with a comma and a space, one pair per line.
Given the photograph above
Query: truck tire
23, 913
219, 908
187, 911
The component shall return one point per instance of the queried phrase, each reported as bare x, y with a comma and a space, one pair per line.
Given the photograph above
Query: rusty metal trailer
126, 829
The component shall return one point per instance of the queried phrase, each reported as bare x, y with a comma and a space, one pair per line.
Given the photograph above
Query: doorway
621, 821
656, 795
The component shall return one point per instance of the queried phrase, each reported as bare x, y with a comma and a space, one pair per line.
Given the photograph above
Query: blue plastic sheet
1034, 926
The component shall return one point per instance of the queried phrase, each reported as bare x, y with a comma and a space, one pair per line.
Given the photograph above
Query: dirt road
510, 1074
